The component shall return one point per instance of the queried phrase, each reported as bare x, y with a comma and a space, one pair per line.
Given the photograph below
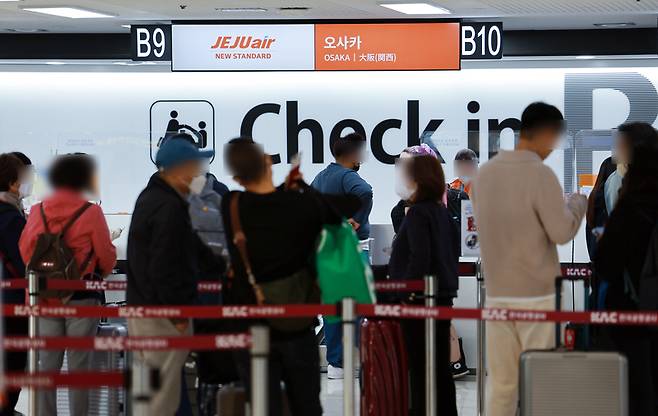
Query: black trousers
414, 334
295, 361
15, 361
640, 346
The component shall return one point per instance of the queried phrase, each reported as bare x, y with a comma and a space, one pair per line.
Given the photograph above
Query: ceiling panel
541, 7
516, 14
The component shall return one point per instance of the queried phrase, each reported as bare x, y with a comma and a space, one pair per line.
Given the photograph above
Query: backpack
53, 259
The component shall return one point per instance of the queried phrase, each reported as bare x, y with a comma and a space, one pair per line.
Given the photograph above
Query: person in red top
72, 177
466, 167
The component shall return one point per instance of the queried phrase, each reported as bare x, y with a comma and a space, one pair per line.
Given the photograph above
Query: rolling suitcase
384, 370
110, 401
104, 401
572, 383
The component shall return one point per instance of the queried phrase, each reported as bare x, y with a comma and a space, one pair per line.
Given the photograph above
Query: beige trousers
170, 363
505, 343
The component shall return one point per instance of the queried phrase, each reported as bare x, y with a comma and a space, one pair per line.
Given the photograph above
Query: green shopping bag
341, 267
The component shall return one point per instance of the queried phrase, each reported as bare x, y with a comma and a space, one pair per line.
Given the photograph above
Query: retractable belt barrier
196, 342
94, 285
83, 380
569, 270
649, 318
205, 286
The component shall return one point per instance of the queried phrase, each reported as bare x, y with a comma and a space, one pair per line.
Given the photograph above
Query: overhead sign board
242, 47
387, 46
321, 47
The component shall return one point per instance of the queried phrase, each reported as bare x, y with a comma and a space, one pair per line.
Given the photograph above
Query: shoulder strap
239, 238
240, 241
44, 218
74, 217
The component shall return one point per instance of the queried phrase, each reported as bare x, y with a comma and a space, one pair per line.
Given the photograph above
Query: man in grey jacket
522, 215
205, 213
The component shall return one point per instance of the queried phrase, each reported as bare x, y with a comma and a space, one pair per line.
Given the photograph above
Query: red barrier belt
95, 285
197, 343
400, 286
87, 380
226, 312
207, 286
649, 318
569, 270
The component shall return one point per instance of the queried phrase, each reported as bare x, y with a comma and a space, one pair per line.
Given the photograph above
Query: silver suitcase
110, 401
572, 383
104, 401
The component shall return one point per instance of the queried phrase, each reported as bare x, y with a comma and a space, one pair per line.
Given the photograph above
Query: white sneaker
335, 373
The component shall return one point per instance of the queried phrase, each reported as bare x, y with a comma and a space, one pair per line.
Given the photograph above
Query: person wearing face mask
27, 177
452, 200
164, 255
466, 166
623, 144
624, 249
522, 215
341, 178
427, 243
12, 223
86, 234
205, 201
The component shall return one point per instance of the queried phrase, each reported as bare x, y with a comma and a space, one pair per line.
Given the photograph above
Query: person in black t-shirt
281, 226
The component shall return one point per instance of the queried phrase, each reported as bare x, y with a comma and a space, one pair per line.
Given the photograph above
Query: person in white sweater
522, 215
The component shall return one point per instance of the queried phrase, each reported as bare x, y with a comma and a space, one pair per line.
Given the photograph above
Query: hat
175, 151
425, 150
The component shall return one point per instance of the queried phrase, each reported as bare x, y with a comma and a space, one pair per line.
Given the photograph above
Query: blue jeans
333, 334
333, 337
185, 407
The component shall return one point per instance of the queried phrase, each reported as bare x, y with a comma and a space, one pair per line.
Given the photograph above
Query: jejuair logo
243, 42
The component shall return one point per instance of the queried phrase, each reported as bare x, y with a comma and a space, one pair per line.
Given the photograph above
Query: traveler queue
186, 227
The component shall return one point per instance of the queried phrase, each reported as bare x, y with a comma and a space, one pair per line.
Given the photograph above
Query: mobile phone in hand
293, 175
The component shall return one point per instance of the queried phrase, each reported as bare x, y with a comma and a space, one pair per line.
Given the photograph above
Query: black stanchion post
481, 345
349, 323
260, 352
33, 330
430, 349
558, 307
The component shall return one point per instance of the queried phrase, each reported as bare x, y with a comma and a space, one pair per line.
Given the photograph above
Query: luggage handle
558, 305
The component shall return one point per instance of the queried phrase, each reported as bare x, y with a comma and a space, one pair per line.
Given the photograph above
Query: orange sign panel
388, 46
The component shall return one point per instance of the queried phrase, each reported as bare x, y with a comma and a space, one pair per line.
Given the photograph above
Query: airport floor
332, 397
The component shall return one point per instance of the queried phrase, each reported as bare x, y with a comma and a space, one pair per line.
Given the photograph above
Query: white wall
107, 114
